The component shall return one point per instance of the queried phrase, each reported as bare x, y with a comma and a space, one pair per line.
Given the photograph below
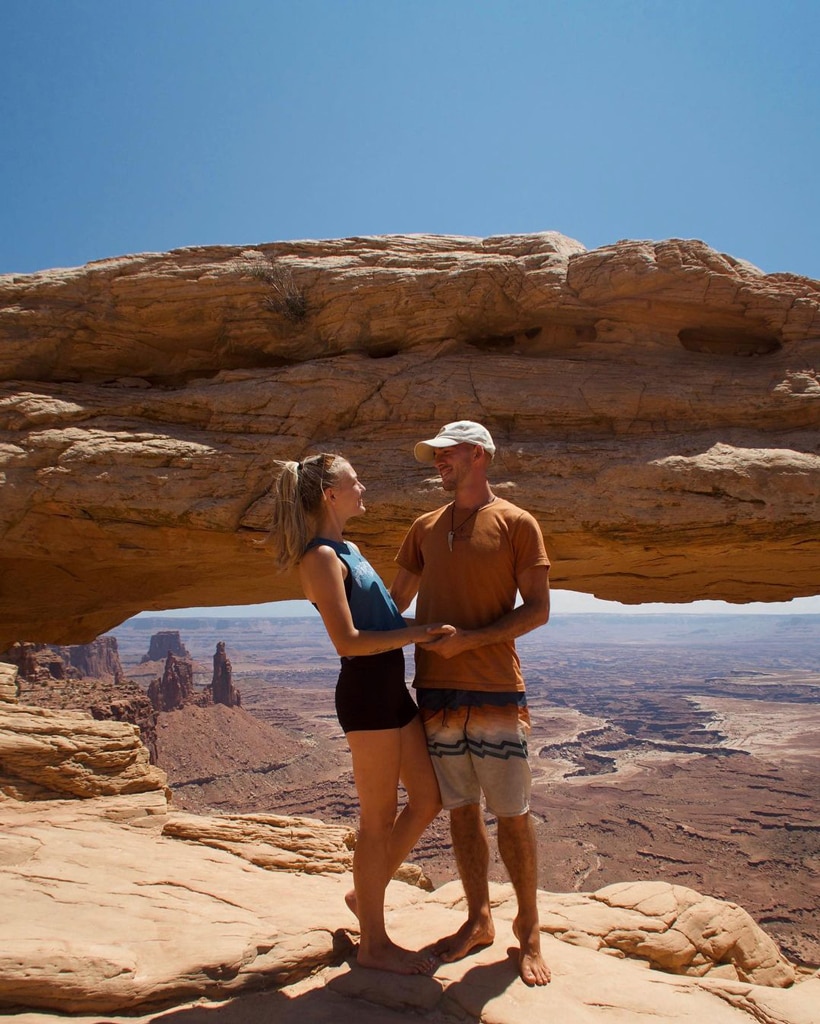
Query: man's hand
454, 641
435, 634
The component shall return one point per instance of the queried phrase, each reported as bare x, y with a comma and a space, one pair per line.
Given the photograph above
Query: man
466, 561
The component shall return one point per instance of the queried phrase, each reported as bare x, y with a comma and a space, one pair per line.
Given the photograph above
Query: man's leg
472, 852
517, 846
445, 719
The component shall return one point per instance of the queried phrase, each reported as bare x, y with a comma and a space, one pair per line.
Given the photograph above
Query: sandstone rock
100, 659
281, 843
37, 662
113, 698
222, 689
136, 709
655, 406
142, 918
674, 929
105, 914
46, 753
40, 662
412, 874
9, 685
270, 841
175, 687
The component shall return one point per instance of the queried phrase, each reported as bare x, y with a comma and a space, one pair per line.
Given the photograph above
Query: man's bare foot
470, 936
390, 957
533, 969
352, 905
531, 965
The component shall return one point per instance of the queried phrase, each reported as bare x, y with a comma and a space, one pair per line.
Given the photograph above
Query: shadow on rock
479, 986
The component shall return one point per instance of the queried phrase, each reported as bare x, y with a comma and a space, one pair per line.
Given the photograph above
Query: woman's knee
377, 822
424, 796
428, 805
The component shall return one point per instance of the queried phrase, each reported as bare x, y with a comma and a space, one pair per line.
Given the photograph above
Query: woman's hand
434, 633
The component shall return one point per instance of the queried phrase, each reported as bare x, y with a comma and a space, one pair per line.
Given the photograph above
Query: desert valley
676, 747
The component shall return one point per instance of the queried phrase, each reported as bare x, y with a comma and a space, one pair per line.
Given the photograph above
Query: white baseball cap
460, 432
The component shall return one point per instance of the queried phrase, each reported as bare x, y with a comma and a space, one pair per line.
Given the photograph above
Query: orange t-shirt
470, 587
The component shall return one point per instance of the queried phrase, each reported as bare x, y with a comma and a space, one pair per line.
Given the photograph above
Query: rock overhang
656, 405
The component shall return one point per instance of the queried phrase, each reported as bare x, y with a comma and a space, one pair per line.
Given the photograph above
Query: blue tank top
371, 606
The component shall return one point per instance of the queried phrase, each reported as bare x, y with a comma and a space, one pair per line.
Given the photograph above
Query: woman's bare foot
531, 965
390, 957
470, 936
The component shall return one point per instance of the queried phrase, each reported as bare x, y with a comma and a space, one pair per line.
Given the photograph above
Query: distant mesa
163, 643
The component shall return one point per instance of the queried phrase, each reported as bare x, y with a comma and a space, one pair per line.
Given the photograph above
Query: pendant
450, 536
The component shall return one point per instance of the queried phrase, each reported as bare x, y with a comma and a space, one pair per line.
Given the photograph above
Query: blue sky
131, 127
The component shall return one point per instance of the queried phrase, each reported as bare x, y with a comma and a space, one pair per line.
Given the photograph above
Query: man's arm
534, 611
404, 588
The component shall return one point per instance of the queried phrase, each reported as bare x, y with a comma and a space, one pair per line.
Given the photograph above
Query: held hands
448, 641
435, 634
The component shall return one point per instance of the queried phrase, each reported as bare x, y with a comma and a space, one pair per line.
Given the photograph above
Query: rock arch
656, 405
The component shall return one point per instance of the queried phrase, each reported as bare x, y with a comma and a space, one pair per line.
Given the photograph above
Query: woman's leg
423, 799
377, 761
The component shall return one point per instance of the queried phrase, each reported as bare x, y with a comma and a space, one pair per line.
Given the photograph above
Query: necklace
454, 529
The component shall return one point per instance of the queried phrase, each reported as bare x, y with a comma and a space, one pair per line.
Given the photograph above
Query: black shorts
371, 693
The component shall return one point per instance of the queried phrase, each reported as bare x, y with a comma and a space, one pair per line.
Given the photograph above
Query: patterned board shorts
478, 743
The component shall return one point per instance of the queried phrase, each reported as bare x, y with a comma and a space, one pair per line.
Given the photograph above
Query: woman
314, 500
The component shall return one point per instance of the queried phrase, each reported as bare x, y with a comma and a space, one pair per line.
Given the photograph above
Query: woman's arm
322, 577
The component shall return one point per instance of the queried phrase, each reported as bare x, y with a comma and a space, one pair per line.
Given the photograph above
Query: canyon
683, 748
656, 405
645, 767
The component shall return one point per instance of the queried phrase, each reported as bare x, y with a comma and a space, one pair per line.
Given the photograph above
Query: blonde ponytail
297, 503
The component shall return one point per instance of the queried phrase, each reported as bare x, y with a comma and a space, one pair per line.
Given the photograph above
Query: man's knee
515, 822
466, 812
466, 820
517, 831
